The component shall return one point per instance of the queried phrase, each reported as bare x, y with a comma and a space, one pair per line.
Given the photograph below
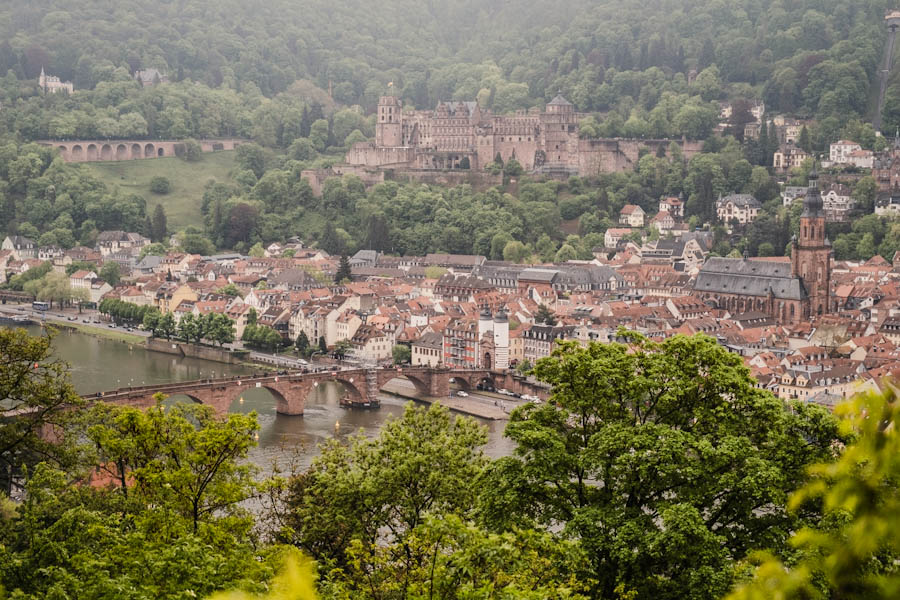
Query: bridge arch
135, 151
106, 152
62, 150
179, 398
149, 151
121, 152
92, 152
160, 152
77, 152
421, 386
462, 383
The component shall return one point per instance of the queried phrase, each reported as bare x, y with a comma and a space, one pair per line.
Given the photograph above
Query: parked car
504, 391
73, 318
462, 394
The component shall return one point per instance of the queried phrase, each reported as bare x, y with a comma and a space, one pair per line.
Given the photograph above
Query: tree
159, 226
166, 325
804, 141
302, 344
191, 328
513, 168
852, 551
330, 241
664, 447
257, 250
545, 315
514, 251
37, 385
231, 290
183, 457
192, 150
160, 185
341, 348
110, 273
401, 354
425, 462
343, 273
323, 347
566, 253
218, 328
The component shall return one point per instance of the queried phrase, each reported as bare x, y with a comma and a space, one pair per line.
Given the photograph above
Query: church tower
811, 252
389, 123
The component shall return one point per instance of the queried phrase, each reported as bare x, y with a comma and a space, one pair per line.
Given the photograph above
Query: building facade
52, 85
789, 292
463, 135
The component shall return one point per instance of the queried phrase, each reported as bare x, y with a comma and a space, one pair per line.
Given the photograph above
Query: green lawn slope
187, 179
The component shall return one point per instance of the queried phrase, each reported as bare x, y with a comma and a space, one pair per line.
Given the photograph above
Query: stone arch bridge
111, 150
290, 390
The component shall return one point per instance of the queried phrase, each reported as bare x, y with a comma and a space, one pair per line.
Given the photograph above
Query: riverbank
472, 407
110, 334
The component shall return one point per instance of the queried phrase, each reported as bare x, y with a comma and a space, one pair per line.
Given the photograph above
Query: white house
632, 215
741, 207
673, 206
613, 235
840, 151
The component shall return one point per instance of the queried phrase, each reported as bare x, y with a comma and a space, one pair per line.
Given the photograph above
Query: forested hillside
263, 70
817, 57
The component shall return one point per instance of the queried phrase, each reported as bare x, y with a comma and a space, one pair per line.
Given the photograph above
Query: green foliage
852, 552
192, 150
34, 382
544, 315
160, 185
110, 273
18, 282
344, 272
261, 337
128, 312
55, 287
425, 462
668, 448
401, 354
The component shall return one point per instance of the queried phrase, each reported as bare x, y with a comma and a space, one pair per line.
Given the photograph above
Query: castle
790, 292
462, 135
51, 84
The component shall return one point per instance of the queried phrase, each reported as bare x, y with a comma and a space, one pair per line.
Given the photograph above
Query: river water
99, 364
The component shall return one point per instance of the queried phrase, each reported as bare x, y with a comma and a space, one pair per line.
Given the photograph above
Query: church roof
559, 101
749, 278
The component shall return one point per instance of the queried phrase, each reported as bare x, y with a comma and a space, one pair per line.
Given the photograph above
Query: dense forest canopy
814, 56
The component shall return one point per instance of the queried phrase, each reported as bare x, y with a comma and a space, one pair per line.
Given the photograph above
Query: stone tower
811, 252
501, 340
389, 124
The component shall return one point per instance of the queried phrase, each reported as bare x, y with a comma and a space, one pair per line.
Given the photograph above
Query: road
86, 318
481, 405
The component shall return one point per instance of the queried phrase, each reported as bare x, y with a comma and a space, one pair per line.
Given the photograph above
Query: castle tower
485, 324
811, 252
501, 340
389, 123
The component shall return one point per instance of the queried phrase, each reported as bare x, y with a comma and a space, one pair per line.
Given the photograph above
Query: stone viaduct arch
108, 150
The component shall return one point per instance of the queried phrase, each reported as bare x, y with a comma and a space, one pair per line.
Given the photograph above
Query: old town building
465, 136
790, 292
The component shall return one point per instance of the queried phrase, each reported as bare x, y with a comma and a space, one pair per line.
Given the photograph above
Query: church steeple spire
812, 203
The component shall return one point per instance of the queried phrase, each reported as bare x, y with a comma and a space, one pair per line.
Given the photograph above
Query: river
101, 364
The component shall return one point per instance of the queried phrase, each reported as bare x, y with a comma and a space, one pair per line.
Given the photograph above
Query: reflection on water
101, 364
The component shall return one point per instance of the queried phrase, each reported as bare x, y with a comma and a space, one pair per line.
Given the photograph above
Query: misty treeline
265, 69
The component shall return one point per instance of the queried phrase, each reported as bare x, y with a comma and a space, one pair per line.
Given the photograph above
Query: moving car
462, 394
